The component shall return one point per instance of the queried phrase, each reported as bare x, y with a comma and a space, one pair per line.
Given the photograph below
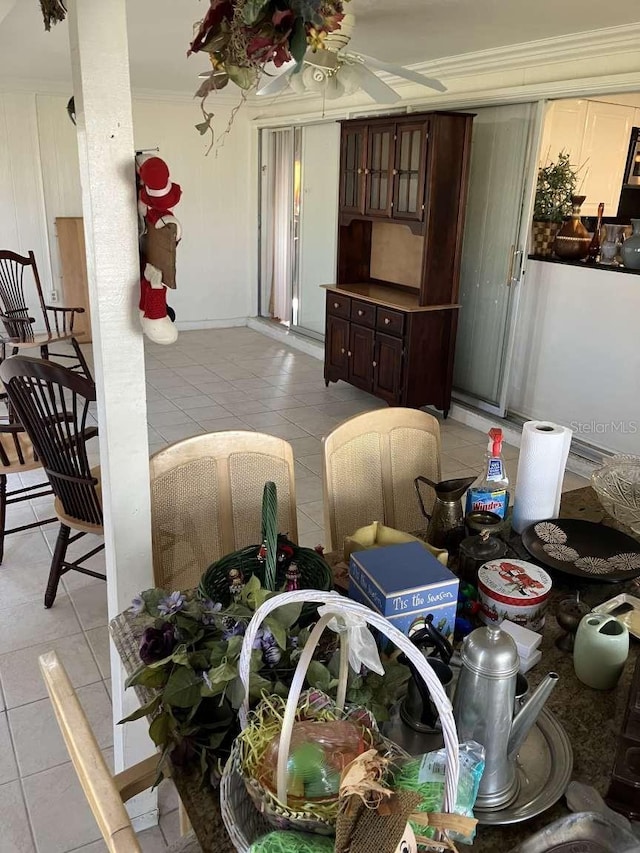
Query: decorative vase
543, 237
631, 247
611, 243
573, 239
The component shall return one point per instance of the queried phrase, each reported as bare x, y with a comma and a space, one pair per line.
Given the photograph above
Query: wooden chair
106, 794
369, 465
206, 499
52, 403
18, 323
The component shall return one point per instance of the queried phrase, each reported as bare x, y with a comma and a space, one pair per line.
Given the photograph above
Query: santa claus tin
514, 590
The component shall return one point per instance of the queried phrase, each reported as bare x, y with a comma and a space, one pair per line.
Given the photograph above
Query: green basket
269, 561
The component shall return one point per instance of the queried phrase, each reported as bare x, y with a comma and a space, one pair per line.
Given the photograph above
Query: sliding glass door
502, 175
298, 223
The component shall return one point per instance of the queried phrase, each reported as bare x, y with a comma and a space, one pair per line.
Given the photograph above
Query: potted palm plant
556, 185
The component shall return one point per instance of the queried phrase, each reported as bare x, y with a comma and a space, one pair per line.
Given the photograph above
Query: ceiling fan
333, 71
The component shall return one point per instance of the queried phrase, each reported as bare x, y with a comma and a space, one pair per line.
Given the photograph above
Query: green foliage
556, 184
195, 686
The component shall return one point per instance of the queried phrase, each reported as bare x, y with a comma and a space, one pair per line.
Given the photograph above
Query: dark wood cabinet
379, 170
337, 347
387, 367
352, 169
409, 172
361, 345
394, 307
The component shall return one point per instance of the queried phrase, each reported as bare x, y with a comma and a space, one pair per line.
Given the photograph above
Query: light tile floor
208, 381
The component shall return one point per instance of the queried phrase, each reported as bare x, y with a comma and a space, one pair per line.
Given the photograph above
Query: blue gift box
405, 583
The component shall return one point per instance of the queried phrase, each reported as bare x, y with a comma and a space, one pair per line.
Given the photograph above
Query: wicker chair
52, 404
206, 499
18, 323
106, 794
369, 465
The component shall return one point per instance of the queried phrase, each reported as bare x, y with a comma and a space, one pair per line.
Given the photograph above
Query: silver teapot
484, 710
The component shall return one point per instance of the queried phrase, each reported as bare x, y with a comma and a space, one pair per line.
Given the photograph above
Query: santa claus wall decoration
160, 235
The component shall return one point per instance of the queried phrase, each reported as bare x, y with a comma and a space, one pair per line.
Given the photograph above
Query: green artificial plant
556, 184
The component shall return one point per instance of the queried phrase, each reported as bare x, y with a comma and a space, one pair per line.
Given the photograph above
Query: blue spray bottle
491, 490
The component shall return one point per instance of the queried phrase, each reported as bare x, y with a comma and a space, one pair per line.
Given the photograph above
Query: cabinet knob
395, 171
349, 354
375, 363
359, 171
342, 350
360, 312
387, 321
336, 304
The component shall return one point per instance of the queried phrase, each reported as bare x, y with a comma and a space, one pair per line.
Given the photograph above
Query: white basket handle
436, 690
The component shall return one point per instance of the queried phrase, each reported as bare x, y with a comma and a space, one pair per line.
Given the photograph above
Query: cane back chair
52, 404
369, 463
106, 794
206, 500
18, 323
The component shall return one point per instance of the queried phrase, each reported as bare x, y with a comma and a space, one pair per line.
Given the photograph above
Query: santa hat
158, 191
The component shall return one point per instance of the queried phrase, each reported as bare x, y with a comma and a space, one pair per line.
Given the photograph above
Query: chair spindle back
52, 403
15, 313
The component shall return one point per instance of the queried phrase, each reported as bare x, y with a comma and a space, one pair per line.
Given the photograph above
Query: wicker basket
269, 561
243, 821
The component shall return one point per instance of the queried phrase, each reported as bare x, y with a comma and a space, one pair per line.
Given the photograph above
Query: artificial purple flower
157, 643
171, 604
210, 610
233, 629
264, 639
137, 605
292, 642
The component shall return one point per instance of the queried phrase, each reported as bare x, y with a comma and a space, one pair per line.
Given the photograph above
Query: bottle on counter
491, 490
594, 246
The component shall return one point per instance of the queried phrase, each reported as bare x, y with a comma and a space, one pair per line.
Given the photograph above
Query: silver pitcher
484, 711
446, 519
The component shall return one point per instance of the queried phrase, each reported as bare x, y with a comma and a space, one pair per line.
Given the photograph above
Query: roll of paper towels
543, 458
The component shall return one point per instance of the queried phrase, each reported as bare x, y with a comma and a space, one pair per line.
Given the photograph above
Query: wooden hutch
393, 313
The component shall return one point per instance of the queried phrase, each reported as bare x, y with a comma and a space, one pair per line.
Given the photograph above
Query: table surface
592, 719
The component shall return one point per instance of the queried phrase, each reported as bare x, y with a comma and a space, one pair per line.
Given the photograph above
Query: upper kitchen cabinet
596, 136
379, 170
353, 149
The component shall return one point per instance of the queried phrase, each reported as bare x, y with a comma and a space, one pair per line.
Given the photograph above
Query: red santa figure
161, 234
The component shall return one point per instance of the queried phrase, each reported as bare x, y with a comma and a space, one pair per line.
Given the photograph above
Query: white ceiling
402, 31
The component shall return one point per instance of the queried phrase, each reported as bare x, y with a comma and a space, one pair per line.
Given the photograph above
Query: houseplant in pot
556, 185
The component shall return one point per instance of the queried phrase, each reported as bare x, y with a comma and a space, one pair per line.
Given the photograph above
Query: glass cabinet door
409, 172
379, 170
352, 171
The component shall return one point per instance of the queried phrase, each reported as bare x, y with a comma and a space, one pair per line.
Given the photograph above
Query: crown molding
556, 49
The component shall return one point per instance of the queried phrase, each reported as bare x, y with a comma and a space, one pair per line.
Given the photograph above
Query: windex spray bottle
491, 490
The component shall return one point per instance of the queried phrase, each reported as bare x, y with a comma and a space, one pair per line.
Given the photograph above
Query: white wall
39, 180
22, 214
577, 353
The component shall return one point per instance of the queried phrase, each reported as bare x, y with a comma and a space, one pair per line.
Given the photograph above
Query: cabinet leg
326, 383
445, 414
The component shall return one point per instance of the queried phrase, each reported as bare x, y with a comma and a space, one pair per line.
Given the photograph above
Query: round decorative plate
584, 549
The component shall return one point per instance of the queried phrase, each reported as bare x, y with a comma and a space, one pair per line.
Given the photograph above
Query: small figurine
293, 577
236, 582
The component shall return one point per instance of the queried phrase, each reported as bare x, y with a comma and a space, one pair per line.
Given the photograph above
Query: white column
100, 61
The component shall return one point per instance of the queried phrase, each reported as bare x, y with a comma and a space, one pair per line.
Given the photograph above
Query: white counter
577, 354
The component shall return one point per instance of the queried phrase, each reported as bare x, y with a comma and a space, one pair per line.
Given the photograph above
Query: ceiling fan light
350, 78
333, 89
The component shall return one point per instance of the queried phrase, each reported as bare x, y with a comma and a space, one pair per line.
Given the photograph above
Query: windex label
490, 501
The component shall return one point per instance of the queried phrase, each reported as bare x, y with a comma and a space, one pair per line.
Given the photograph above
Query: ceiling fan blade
376, 88
406, 73
276, 84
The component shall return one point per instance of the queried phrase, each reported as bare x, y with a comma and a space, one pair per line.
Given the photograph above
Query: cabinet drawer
363, 313
390, 321
338, 305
